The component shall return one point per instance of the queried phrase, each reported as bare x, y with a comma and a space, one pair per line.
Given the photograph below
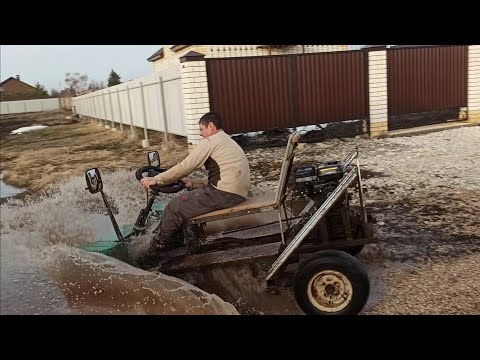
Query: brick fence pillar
377, 92
474, 83
195, 93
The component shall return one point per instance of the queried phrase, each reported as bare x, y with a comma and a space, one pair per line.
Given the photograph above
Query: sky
48, 64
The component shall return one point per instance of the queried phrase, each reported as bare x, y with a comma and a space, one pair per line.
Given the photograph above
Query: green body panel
159, 206
110, 246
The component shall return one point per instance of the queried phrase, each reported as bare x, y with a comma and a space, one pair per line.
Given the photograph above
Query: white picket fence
153, 102
24, 106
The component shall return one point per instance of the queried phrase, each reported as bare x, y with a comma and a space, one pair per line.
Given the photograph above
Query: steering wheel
152, 171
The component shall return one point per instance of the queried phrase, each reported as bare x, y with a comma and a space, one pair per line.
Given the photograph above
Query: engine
317, 179
318, 182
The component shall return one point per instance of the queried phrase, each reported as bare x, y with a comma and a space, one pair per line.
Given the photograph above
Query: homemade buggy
313, 251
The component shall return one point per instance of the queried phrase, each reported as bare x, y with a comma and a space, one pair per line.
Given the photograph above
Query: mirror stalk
112, 218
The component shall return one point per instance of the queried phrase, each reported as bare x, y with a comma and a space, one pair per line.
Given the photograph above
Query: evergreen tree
40, 92
113, 79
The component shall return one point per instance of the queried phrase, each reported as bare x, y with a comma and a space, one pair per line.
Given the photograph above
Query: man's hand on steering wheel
146, 182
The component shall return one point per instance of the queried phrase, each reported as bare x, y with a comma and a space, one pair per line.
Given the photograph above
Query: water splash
39, 255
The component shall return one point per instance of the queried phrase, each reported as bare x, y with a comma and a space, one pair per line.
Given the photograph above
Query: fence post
8, 107
24, 106
133, 135
195, 93
111, 109
88, 107
105, 111
145, 142
377, 92
97, 109
119, 110
474, 83
164, 111
92, 108
96, 103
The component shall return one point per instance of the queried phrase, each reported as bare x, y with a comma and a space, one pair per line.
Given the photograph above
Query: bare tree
76, 81
95, 85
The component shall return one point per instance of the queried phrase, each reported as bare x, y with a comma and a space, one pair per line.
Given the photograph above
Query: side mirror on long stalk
95, 185
94, 180
153, 159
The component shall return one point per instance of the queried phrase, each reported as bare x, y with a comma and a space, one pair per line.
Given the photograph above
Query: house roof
14, 79
158, 55
176, 48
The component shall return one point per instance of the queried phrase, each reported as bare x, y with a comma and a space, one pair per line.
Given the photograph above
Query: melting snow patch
27, 129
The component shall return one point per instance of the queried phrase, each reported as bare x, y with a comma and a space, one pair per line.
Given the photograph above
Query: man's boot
156, 255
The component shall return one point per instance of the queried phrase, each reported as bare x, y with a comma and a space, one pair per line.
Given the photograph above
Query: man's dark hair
211, 117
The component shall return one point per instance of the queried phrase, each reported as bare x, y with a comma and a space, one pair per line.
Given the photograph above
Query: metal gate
261, 93
422, 79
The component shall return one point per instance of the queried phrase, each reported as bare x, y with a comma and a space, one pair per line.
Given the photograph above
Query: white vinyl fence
152, 102
24, 106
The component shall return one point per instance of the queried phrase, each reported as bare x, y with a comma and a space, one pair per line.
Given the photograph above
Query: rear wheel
331, 283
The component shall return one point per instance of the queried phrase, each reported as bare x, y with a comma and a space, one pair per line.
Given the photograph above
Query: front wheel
332, 283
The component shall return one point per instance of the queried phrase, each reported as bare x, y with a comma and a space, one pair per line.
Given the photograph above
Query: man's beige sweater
224, 159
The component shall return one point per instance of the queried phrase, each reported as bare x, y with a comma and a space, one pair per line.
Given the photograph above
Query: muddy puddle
44, 272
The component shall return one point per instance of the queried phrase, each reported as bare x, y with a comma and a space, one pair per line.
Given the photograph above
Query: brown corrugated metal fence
260, 93
332, 87
426, 78
250, 93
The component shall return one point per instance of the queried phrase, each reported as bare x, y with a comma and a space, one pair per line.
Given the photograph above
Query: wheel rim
330, 291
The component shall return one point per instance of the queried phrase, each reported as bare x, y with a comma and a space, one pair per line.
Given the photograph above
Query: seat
253, 205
